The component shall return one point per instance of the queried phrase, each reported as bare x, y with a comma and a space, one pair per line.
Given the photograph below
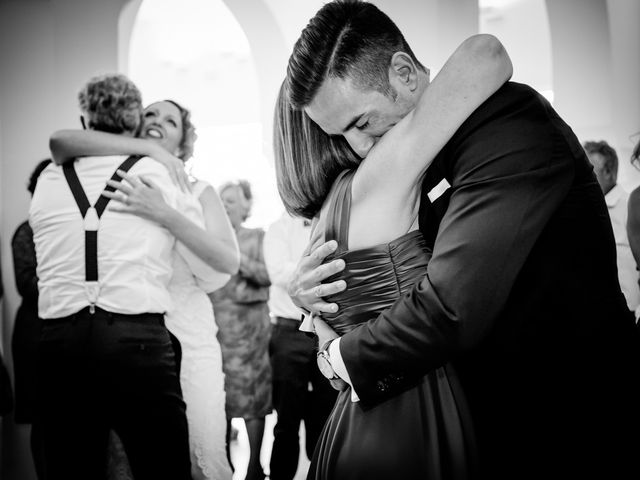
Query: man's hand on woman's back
307, 290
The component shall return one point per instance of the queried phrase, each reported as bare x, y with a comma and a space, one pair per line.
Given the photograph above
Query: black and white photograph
319, 239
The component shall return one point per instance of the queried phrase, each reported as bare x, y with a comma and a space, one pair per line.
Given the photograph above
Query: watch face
325, 367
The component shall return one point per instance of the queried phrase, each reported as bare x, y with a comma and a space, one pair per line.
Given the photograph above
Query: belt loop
110, 318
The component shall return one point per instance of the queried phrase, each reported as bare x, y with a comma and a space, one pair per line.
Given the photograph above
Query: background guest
242, 316
605, 165
6, 392
633, 219
105, 360
300, 392
27, 327
167, 130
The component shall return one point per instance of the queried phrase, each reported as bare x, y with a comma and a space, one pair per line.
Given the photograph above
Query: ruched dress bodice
376, 277
424, 432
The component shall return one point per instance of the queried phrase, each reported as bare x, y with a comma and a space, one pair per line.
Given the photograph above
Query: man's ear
403, 72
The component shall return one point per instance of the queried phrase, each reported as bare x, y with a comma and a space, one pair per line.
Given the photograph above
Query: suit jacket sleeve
511, 164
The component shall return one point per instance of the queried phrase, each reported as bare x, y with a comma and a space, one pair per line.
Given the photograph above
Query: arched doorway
196, 52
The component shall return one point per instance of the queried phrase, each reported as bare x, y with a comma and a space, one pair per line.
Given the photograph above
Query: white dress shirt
134, 254
284, 243
617, 202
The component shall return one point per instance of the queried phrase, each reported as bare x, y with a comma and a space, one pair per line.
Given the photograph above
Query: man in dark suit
521, 293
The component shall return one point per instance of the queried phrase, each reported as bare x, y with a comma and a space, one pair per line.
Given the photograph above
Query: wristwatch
324, 362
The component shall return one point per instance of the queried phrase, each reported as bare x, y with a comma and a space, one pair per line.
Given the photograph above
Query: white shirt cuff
340, 368
307, 323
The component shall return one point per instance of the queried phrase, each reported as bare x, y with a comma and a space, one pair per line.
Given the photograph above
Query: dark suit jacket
521, 295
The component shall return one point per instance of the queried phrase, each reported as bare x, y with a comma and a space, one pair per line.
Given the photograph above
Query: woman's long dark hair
307, 160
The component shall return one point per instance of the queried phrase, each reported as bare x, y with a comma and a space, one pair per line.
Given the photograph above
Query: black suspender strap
91, 216
125, 166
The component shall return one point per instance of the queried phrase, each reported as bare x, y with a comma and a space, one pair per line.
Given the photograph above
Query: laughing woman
168, 133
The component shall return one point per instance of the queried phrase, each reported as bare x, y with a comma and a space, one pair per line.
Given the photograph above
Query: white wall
47, 50
582, 65
624, 17
596, 72
523, 27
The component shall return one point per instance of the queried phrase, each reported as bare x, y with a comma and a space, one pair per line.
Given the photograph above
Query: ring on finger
317, 291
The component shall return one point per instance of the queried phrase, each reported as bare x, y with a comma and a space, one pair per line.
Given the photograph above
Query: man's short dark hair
608, 153
111, 103
346, 38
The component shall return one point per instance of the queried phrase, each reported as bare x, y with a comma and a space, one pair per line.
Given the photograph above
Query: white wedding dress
191, 321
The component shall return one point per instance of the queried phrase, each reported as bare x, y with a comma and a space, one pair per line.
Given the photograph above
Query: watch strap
325, 346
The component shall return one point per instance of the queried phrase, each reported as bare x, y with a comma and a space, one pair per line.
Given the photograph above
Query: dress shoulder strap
339, 210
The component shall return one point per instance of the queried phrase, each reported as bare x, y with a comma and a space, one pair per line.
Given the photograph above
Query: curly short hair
189, 135
111, 103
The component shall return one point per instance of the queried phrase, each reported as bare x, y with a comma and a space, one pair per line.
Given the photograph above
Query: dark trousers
293, 363
101, 372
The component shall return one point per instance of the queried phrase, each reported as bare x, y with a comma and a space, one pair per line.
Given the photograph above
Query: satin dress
424, 432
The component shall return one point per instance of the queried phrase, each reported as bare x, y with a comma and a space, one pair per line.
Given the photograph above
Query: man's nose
360, 142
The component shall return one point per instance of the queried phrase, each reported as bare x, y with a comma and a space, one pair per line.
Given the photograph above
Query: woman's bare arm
388, 180
65, 145
215, 244
224, 251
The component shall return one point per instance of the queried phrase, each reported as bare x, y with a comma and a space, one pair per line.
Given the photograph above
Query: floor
20, 467
240, 449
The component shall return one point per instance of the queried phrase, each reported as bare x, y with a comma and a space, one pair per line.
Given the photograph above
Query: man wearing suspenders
105, 358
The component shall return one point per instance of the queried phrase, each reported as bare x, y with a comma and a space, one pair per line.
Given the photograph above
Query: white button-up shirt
284, 243
617, 202
134, 254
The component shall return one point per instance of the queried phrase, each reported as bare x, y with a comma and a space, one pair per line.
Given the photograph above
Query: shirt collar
613, 196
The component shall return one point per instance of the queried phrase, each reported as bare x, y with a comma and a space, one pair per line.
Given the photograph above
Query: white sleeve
152, 170
187, 204
307, 323
207, 278
340, 368
277, 254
